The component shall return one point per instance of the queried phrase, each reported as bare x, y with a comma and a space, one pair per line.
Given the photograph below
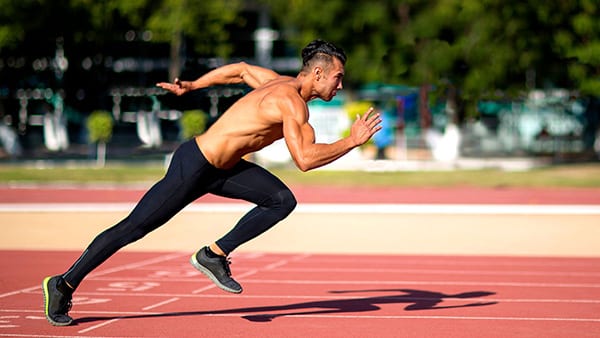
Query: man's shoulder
282, 88
282, 80
282, 95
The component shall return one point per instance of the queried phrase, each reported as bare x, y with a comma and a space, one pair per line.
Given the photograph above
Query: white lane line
413, 282
97, 326
97, 275
129, 266
447, 272
150, 307
12, 293
371, 282
390, 271
328, 208
254, 271
125, 314
139, 264
402, 298
283, 262
208, 287
457, 260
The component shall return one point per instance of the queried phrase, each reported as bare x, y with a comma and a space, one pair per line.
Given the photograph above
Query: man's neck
305, 88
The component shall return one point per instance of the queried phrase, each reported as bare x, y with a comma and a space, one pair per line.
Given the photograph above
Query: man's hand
178, 87
365, 127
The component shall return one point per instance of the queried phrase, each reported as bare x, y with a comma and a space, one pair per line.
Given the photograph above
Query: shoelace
69, 306
226, 263
66, 304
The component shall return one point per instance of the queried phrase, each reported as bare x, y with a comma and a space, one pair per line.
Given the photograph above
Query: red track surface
305, 194
160, 295
302, 295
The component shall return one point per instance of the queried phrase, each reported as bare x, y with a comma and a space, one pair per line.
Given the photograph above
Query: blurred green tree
100, 128
170, 20
193, 122
102, 22
577, 42
467, 50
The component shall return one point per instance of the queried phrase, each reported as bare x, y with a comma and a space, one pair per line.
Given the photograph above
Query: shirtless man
212, 163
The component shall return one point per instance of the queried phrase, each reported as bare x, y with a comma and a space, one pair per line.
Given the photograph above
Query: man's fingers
374, 120
367, 114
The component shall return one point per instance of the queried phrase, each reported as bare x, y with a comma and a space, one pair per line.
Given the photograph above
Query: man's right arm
234, 73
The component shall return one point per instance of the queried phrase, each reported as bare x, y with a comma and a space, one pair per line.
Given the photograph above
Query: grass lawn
574, 175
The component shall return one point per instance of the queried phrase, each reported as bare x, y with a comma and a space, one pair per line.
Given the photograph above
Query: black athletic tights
190, 176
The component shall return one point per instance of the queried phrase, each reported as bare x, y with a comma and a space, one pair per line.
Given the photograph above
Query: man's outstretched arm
234, 73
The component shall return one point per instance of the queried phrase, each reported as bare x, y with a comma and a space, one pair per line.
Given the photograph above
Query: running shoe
57, 301
216, 269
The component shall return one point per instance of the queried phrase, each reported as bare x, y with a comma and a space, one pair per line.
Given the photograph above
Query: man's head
321, 51
324, 63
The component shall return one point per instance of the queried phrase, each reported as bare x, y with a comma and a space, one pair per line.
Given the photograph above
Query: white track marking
278, 267
372, 282
178, 296
108, 322
12, 293
413, 282
125, 314
168, 301
254, 271
131, 266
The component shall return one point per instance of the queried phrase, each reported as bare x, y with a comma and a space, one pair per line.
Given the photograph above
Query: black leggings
190, 176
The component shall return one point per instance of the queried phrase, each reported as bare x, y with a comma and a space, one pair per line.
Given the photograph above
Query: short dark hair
320, 49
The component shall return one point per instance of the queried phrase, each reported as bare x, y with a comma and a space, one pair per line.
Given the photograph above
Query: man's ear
318, 71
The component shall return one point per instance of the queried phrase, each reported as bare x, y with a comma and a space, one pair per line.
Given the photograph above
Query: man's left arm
300, 139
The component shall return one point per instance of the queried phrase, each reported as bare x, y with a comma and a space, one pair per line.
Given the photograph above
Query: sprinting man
212, 163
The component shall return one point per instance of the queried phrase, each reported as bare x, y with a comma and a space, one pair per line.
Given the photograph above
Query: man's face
330, 80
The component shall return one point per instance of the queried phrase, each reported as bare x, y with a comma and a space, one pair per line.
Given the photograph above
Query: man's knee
286, 201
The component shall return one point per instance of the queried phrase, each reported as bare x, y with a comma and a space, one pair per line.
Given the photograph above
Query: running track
158, 294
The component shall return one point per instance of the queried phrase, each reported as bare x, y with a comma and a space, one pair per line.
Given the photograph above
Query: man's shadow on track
417, 299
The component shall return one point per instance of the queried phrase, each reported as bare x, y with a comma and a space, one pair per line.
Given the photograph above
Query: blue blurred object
385, 136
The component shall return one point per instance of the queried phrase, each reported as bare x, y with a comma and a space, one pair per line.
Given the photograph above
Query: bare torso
250, 124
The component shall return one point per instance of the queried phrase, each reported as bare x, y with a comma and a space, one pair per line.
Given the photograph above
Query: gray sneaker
57, 301
216, 269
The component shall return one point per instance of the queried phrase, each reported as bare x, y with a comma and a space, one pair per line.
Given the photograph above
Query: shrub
100, 126
193, 122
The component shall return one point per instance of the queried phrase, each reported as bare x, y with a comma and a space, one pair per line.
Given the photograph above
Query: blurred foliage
193, 122
353, 110
104, 22
484, 44
100, 126
201, 20
477, 47
357, 108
